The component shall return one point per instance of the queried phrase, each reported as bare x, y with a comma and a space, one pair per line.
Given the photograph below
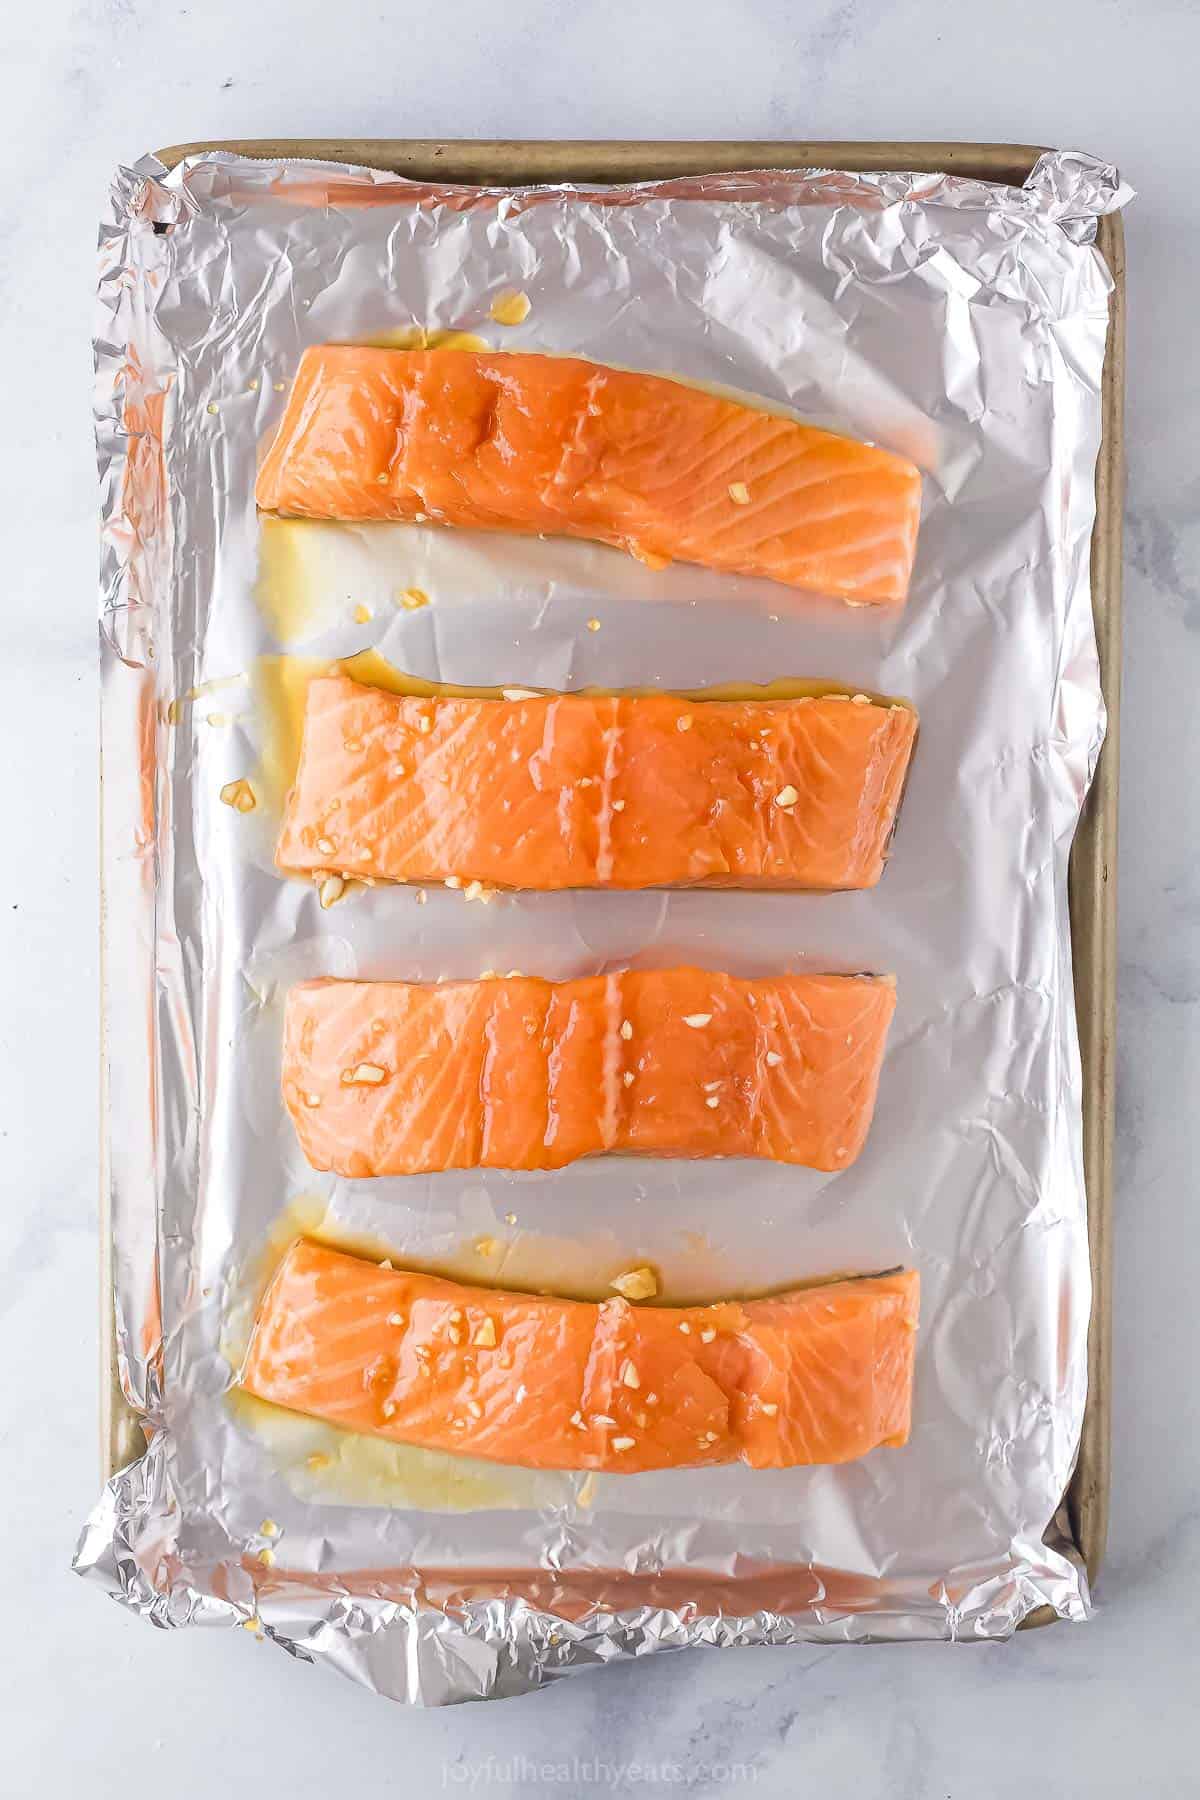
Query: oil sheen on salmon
821, 1375
552, 791
401, 1078
556, 445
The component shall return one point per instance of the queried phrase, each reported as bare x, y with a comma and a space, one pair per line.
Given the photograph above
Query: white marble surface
94, 1700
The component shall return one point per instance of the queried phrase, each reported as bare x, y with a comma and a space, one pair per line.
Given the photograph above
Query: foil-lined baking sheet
958, 322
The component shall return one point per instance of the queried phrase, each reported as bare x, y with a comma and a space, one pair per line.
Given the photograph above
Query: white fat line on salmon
614, 1011
606, 808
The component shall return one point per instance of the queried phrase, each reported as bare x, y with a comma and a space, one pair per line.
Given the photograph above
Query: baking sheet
998, 635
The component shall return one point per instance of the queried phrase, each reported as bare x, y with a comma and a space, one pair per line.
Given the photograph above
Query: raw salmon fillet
403, 1078
558, 446
580, 790
821, 1375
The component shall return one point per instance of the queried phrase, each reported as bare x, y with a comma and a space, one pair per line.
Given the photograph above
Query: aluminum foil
959, 322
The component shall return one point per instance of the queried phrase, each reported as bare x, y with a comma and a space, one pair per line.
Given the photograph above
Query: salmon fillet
821, 1375
403, 1078
580, 790
558, 446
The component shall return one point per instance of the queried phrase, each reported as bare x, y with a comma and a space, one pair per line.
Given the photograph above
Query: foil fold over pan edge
400, 1643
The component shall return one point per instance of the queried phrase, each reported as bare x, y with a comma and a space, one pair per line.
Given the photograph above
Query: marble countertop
94, 1694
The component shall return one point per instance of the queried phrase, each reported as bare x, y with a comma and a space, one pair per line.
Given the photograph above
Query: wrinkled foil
960, 322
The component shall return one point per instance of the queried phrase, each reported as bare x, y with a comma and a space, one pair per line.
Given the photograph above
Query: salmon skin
579, 790
820, 1375
404, 1078
558, 446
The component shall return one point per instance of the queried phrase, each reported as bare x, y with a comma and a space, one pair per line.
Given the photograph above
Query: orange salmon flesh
821, 1375
558, 446
578, 791
404, 1078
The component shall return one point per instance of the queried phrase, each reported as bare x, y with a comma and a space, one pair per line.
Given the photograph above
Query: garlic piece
636, 1284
